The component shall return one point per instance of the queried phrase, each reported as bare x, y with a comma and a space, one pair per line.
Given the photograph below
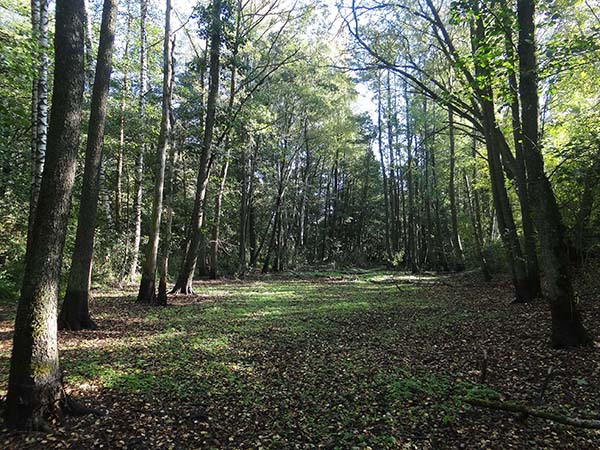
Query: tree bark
214, 248
529, 237
75, 314
39, 104
459, 258
504, 214
121, 150
439, 236
186, 273
89, 50
411, 251
110, 224
214, 244
161, 298
243, 212
276, 222
567, 326
35, 392
474, 209
203, 269
139, 165
147, 291
386, 202
253, 246
393, 182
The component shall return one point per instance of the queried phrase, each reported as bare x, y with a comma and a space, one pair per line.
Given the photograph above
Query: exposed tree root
76, 409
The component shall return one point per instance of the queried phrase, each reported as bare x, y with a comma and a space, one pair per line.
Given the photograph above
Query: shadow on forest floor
304, 360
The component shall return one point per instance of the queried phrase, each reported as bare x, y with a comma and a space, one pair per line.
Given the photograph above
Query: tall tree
147, 291
39, 104
123, 101
567, 326
186, 273
139, 164
459, 259
494, 140
388, 248
75, 314
35, 391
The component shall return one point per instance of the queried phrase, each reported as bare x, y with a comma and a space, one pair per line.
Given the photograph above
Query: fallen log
535, 412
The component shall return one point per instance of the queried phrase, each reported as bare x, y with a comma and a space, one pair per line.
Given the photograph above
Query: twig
544, 387
535, 412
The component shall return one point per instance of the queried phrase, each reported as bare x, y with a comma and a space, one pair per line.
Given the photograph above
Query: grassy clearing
336, 360
312, 356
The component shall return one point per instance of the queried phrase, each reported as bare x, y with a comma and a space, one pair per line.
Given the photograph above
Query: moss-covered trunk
75, 310
35, 391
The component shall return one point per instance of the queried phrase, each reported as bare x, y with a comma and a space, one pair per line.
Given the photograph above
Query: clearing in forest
330, 360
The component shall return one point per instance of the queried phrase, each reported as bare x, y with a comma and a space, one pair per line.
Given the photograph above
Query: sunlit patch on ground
324, 359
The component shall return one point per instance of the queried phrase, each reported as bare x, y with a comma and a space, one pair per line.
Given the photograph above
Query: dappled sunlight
286, 358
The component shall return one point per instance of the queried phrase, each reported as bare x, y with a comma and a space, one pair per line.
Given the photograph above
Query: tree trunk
567, 326
432, 252
393, 184
504, 215
476, 224
203, 269
121, 150
443, 260
474, 209
502, 205
139, 164
39, 104
214, 244
411, 250
243, 212
110, 224
214, 249
161, 298
89, 50
35, 392
388, 248
304, 191
529, 238
253, 245
147, 292
276, 224
186, 273
75, 314
459, 258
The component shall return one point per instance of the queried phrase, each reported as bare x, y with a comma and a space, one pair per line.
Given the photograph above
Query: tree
186, 273
139, 164
459, 259
147, 291
39, 106
567, 327
35, 391
75, 313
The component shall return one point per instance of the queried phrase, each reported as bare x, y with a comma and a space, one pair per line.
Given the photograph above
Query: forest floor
362, 359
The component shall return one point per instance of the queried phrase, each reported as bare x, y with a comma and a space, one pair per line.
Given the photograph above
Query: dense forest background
313, 180
232, 137
297, 176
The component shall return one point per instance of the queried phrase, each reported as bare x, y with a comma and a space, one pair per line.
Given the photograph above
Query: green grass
322, 357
